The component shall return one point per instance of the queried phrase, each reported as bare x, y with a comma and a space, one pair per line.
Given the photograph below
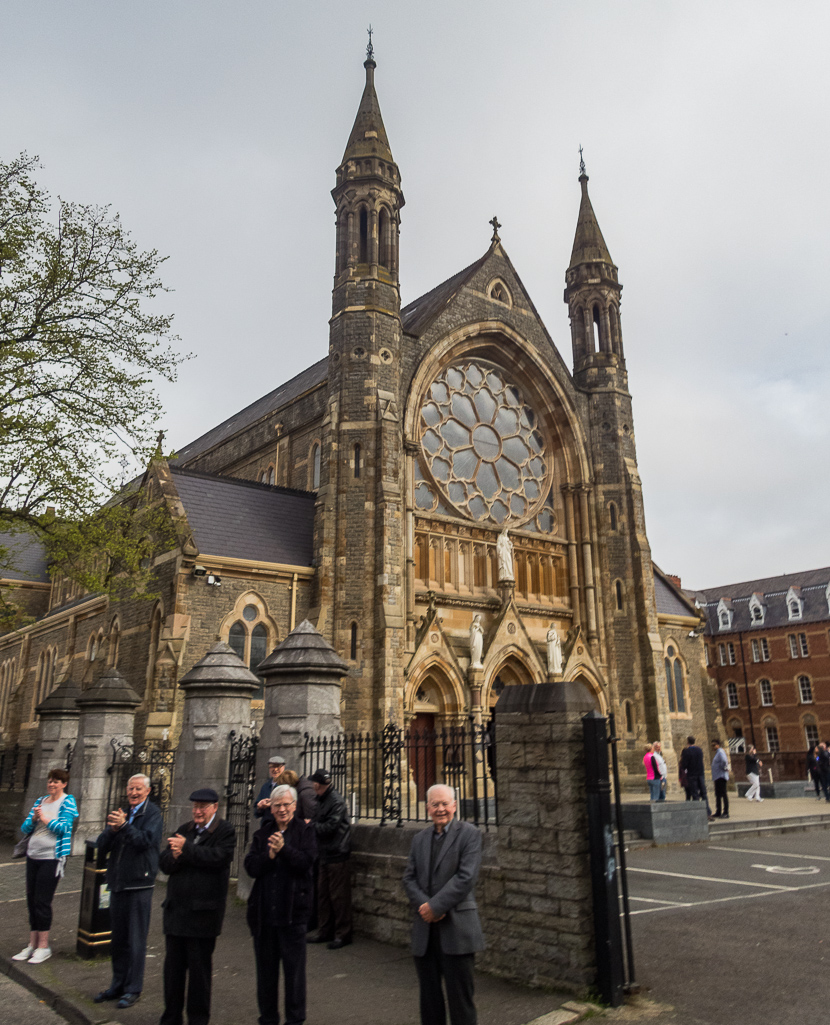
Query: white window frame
802, 680
722, 654
791, 639
756, 611
730, 650
766, 692
811, 740
764, 649
724, 616
776, 740
803, 646
756, 651
795, 606
731, 695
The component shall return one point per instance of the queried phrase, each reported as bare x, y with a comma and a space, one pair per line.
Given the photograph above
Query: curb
59, 1004
570, 1012
769, 830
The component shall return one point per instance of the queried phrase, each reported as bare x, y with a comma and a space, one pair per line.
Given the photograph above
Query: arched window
364, 236
629, 717
357, 458
115, 642
315, 466
612, 515
618, 591
384, 240
614, 320
248, 637
670, 684
805, 690
810, 730
732, 695
771, 734
595, 329
353, 643
271, 476
237, 636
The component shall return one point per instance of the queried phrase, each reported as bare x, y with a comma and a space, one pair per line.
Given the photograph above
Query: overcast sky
215, 130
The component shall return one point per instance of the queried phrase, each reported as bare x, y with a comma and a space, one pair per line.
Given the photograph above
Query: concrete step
767, 827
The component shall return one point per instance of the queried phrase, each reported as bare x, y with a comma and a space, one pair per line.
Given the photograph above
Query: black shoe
315, 937
339, 942
108, 994
724, 816
128, 1000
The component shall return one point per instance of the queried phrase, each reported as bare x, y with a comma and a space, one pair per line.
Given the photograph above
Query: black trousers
457, 973
697, 786
129, 921
721, 798
194, 956
41, 883
284, 944
334, 900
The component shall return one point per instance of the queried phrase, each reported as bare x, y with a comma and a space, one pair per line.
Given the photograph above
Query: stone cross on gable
496, 226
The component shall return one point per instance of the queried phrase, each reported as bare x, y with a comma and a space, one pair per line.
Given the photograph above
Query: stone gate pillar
539, 903
218, 692
107, 713
302, 695
56, 733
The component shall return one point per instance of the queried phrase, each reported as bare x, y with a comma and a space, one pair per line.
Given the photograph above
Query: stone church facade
369, 494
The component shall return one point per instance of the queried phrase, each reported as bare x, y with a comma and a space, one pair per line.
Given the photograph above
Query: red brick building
768, 647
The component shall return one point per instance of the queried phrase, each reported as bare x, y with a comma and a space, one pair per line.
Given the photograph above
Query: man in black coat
334, 885
197, 859
691, 759
262, 804
131, 841
280, 862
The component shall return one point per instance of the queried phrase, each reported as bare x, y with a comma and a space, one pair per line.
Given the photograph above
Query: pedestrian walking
753, 774
691, 759
720, 778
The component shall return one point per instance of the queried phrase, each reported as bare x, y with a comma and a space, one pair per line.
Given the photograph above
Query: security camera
199, 571
214, 580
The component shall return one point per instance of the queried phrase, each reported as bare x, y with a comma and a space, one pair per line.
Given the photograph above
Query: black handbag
21, 848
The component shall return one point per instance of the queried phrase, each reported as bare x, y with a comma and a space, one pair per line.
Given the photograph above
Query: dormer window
757, 610
794, 603
724, 615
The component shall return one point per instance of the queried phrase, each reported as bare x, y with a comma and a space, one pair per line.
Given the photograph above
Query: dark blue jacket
283, 887
133, 850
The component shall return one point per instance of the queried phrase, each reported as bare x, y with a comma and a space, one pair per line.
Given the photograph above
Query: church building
454, 505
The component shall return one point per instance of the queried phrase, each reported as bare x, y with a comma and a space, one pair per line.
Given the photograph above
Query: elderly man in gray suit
446, 932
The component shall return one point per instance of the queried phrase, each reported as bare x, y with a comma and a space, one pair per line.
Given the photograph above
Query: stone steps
767, 827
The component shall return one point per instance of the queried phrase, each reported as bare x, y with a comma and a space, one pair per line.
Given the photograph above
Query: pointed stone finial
370, 50
496, 226
582, 173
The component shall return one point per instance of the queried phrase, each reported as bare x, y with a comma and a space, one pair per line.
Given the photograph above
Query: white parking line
707, 879
771, 854
58, 893
740, 896
653, 900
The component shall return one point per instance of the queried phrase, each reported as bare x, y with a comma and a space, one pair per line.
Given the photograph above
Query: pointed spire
589, 245
368, 138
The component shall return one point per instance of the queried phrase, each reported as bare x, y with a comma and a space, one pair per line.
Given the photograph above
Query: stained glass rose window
481, 446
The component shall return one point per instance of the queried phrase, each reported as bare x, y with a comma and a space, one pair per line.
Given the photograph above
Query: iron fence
384, 776
15, 768
240, 790
155, 759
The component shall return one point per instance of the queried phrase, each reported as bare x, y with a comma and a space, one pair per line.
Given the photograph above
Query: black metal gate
155, 759
240, 792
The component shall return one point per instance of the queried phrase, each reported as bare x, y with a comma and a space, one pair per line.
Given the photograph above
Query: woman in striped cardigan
49, 828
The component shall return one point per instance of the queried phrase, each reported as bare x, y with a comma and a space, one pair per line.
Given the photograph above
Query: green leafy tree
82, 345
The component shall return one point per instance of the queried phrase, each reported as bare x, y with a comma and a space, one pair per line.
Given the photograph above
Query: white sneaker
24, 954
40, 955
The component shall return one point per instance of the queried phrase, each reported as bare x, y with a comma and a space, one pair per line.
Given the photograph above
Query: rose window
481, 446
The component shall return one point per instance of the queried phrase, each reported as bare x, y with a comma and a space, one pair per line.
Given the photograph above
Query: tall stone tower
635, 652
360, 500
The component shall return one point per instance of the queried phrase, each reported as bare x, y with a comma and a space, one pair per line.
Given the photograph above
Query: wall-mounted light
199, 571
214, 580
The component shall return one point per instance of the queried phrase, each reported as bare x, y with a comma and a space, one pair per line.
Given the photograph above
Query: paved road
736, 930
20, 1006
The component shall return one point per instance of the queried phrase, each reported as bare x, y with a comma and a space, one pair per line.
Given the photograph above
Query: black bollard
94, 917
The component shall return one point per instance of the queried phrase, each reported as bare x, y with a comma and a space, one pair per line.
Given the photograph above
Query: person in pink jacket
652, 773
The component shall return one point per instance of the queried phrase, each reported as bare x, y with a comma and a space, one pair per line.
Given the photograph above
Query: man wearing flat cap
262, 805
197, 859
334, 885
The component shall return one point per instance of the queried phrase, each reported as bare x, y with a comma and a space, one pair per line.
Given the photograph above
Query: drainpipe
746, 688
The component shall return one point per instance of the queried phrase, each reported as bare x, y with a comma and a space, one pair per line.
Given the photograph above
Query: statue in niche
554, 651
504, 551
476, 642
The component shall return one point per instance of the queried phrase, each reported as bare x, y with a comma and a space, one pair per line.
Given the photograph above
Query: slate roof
668, 600
303, 382
241, 519
417, 315
26, 559
813, 590
589, 245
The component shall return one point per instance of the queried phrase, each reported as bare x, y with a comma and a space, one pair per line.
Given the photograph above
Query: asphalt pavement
735, 930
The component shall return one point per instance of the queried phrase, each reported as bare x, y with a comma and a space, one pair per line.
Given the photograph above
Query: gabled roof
241, 519
670, 601
314, 376
772, 591
26, 559
418, 315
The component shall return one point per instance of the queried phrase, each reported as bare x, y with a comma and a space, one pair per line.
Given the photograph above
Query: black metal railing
155, 759
240, 791
385, 776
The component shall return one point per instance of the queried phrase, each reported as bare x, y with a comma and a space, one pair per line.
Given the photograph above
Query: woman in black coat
280, 862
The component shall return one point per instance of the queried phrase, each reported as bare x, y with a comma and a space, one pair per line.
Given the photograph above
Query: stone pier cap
111, 692
304, 653
220, 669
538, 698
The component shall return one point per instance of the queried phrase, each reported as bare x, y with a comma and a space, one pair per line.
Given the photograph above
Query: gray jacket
720, 765
454, 877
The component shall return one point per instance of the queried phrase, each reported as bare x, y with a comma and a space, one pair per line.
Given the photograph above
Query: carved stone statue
504, 551
476, 642
554, 652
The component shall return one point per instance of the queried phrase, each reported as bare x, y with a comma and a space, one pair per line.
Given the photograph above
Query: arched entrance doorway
429, 739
